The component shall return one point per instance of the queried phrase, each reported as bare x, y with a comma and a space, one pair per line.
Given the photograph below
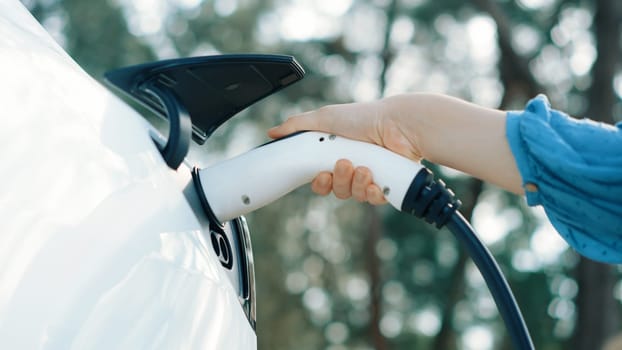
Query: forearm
457, 134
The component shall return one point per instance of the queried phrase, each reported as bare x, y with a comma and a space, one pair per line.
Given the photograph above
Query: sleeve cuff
520, 151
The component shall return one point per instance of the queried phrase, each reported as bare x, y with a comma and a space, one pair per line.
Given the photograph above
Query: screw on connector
386, 190
246, 200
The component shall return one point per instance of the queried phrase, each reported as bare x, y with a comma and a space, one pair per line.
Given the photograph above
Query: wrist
458, 134
400, 125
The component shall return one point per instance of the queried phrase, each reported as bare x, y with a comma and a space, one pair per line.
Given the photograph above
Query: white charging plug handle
262, 175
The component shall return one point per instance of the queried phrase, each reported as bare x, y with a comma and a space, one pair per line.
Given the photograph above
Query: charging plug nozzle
258, 177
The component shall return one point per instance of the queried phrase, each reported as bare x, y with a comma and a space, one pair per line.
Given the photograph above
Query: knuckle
341, 194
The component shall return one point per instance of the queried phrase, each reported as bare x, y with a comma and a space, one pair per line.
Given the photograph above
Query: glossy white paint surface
99, 248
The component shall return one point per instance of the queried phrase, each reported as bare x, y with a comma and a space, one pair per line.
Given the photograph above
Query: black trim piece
247, 268
204, 203
180, 129
211, 88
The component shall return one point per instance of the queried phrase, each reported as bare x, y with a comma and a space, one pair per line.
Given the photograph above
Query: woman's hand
366, 122
371, 122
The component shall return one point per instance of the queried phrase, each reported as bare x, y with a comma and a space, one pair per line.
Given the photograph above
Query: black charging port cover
210, 89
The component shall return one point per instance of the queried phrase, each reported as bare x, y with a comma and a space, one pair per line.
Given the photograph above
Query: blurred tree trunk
375, 279
517, 80
597, 318
375, 226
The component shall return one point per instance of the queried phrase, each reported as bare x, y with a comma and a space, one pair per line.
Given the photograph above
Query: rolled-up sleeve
573, 168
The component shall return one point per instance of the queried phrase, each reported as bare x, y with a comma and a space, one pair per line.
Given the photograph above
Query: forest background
340, 275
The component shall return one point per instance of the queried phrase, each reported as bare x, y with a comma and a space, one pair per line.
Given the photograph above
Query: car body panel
99, 246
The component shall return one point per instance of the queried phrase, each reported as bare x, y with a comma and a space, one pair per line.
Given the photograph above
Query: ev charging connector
254, 179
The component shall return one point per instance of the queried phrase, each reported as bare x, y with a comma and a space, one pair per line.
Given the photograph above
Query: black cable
431, 200
498, 286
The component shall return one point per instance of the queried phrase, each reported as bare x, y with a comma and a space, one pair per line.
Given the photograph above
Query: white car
104, 243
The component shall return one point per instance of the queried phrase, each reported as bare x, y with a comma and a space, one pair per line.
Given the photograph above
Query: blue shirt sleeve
573, 168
